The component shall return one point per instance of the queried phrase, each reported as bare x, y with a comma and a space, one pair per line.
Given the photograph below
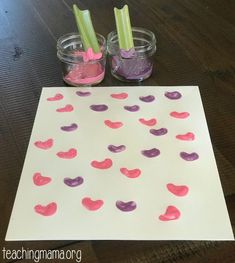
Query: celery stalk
86, 29
123, 26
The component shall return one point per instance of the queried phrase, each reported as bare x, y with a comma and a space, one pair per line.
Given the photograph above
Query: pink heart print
178, 190
45, 145
58, 96
150, 122
40, 180
47, 210
70, 154
179, 115
105, 164
92, 205
171, 213
134, 173
66, 108
113, 124
119, 96
189, 136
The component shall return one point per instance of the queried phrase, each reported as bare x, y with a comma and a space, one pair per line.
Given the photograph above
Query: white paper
203, 212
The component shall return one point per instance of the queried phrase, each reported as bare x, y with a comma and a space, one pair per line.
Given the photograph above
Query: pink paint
150, 122
107, 163
57, 97
40, 180
178, 190
113, 124
119, 96
88, 55
179, 115
47, 210
70, 154
45, 145
134, 173
171, 213
66, 108
92, 205
85, 74
189, 136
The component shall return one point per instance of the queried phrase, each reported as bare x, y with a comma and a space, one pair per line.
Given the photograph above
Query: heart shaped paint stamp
47, 210
180, 115
92, 205
70, 154
171, 213
99, 107
158, 132
71, 127
133, 173
189, 136
189, 156
150, 122
178, 190
116, 149
40, 180
45, 145
73, 182
174, 95
151, 153
83, 93
66, 108
113, 124
148, 98
107, 163
58, 96
119, 96
126, 206
133, 108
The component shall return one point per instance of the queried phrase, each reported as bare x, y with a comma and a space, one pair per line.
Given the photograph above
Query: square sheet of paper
129, 163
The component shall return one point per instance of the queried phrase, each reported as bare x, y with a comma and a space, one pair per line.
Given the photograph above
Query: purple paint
159, 132
148, 98
116, 149
99, 107
69, 128
174, 95
73, 182
133, 68
126, 206
151, 153
83, 93
127, 53
132, 108
189, 156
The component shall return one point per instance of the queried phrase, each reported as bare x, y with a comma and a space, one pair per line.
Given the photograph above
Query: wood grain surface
195, 46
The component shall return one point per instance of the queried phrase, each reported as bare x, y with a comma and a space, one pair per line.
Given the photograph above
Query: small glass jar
77, 70
138, 65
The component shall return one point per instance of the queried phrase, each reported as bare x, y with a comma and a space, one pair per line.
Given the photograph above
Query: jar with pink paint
81, 67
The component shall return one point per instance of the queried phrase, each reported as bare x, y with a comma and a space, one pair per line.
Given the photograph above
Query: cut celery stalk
123, 26
86, 30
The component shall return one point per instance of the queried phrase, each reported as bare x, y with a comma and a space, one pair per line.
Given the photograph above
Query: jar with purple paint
135, 64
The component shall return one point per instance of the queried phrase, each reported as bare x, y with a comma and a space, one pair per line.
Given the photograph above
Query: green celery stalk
86, 29
123, 26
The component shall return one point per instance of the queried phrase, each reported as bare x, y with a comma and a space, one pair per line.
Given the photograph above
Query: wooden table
196, 46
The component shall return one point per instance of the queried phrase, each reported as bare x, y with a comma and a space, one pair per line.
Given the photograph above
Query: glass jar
78, 68
136, 64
